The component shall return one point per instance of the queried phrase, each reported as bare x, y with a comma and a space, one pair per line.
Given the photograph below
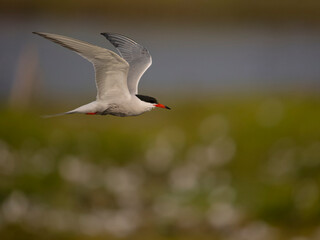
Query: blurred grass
259, 154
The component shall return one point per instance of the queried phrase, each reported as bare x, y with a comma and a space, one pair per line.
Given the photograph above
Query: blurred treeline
225, 10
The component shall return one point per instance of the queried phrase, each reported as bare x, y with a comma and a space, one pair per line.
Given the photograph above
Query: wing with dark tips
136, 55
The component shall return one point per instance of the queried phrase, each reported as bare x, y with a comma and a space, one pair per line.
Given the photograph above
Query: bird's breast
123, 110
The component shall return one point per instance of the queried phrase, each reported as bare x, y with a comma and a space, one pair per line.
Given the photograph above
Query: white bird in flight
117, 77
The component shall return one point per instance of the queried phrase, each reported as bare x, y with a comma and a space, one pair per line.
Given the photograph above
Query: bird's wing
136, 55
111, 70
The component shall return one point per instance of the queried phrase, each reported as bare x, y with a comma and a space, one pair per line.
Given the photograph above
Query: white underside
132, 106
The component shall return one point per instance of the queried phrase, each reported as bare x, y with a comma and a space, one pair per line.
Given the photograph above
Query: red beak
161, 106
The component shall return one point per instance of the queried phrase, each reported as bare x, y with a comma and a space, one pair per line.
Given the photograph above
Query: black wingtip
105, 34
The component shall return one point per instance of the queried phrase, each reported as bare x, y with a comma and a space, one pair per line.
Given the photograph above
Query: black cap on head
147, 99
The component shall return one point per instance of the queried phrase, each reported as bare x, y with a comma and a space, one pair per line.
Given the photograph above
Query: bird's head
152, 101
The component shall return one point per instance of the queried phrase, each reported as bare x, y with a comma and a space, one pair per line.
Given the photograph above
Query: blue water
197, 57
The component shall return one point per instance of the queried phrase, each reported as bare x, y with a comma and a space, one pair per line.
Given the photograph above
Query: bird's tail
59, 114
90, 108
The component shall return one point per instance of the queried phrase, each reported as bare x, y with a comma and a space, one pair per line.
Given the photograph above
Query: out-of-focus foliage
237, 167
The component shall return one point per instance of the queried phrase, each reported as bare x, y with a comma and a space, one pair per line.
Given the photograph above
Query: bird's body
131, 106
117, 77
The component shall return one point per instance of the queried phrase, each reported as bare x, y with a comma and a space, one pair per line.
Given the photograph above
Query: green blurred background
237, 157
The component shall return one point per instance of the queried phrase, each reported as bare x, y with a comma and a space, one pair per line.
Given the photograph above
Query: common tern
117, 76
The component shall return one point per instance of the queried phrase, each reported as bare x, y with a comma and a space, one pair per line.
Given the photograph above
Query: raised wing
136, 55
111, 70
